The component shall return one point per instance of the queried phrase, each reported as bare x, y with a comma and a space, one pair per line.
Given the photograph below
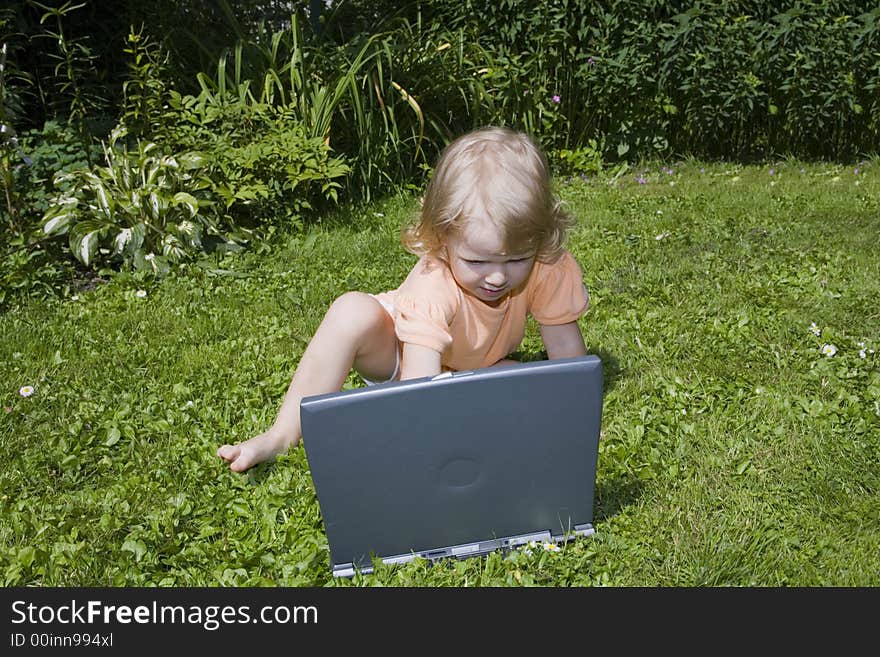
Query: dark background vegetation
184, 128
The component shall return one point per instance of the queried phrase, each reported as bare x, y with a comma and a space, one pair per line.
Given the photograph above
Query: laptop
456, 465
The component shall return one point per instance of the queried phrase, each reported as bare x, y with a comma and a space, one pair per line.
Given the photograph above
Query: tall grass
372, 98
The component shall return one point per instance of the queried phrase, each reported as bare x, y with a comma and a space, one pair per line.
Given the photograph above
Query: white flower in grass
829, 349
150, 257
814, 329
662, 236
551, 547
140, 294
863, 354
75, 297
26, 391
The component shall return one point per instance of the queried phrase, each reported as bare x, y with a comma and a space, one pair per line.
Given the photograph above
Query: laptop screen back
415, 467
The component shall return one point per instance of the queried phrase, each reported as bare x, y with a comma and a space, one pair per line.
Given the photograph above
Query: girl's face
482, 268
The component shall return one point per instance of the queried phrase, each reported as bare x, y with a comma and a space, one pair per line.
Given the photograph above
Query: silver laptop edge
468, 549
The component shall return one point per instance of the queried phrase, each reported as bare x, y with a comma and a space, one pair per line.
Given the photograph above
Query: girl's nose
497, 277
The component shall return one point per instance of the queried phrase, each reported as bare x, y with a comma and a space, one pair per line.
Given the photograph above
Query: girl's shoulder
556, 292
563, 266
431, 280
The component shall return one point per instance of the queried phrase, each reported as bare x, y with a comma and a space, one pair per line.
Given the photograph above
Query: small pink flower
557, 99
641, 180
9, 409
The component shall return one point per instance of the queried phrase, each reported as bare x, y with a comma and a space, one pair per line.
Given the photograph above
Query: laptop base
467, 550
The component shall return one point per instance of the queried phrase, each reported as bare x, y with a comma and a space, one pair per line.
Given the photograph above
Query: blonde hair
499, 175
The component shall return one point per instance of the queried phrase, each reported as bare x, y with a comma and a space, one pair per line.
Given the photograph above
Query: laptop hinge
464, 550
400, 558
586, 529
579, 530
348, 570
523, 539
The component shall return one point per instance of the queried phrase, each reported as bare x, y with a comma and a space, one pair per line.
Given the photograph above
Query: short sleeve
425, 305
419, 321
557, 294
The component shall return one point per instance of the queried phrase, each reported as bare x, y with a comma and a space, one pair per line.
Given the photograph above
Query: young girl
489, 237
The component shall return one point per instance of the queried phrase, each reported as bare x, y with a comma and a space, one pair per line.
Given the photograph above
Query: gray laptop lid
458, 464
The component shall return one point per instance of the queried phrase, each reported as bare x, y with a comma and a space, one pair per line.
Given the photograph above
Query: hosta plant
145, 208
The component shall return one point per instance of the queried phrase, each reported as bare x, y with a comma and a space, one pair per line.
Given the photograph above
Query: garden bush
293, 117
732, 79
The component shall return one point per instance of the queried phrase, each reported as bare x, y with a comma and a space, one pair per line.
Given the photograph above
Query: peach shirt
430, 309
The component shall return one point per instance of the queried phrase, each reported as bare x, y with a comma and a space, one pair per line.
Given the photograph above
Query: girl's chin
489, 295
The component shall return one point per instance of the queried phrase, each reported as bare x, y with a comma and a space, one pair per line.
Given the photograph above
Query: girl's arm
563, 341
418, 361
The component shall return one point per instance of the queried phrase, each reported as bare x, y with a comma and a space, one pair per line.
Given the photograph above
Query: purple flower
857, 171
556, 99
641, 180
591, 62
772, 171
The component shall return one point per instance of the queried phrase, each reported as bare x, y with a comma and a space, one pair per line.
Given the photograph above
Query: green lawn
734, 452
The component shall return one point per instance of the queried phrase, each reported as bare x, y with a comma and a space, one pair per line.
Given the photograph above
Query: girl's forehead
481, 239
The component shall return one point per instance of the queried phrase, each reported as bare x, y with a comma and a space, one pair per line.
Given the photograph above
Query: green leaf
84, 240
113, 436
188, 200
26, 556
57, 220
192, 160
104, 202
136, 547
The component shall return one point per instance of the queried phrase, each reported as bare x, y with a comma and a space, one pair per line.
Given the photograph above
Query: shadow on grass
614, 495
611, 371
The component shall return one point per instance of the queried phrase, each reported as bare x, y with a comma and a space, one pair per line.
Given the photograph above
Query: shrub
259, 159
144, 208
29, 263
732, 79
